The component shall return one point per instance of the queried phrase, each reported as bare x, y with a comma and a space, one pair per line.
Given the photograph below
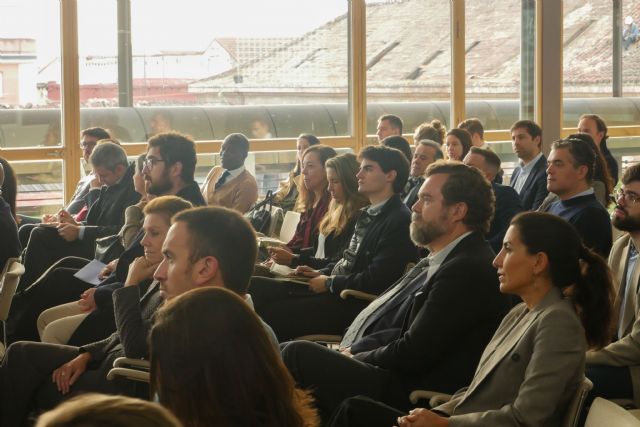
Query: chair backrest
8, 284
577, 402
605, 413
289, 225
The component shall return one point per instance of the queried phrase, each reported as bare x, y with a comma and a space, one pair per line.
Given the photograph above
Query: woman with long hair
287, 193
339, 222
457, 144
313, 200
228, 374
534, 364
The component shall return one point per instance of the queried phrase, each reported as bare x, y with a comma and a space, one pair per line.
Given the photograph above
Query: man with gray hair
427, 152
67, 237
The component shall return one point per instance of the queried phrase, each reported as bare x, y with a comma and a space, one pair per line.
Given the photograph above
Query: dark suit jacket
535, 187
449, 322
334, 246
106, 215
411, 197
507, 206
383, 254
10, 246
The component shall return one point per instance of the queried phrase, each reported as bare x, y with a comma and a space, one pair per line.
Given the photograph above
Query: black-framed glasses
150, 162
628, 196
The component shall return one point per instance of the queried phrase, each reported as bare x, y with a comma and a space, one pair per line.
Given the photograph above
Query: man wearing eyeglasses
615, 369
569, 175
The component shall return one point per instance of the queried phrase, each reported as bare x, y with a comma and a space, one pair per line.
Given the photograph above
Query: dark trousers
292, 310
56, 286
362, 411
98, 325
45, 247
25, 379
333, 377
609, 382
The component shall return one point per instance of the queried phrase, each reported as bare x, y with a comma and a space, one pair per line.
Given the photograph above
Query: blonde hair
97, 410
167, 206
339, 214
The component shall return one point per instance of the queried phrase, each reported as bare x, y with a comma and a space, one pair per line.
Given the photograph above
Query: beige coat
239, 193
529, 371
625, 351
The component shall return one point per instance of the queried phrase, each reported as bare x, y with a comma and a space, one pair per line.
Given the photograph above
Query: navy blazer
534, 190
507, 206
448, 322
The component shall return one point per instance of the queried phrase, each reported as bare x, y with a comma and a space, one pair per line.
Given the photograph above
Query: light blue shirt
525, 171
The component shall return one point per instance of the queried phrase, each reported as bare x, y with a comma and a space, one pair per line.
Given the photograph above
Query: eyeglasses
628, 196
150, 162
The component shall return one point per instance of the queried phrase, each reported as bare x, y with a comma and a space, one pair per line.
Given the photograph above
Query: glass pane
408, 62
30, 74
39, 187
493, 60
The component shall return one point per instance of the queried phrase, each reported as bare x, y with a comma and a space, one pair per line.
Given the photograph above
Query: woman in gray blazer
534, 363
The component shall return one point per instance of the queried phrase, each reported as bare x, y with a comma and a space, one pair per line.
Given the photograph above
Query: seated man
204, 247
529, 179
427, 152
388, 125
106, 216
615, 369
451, 316
10, 247
570, 172
169, 170
231, 185
507, 200
377, 256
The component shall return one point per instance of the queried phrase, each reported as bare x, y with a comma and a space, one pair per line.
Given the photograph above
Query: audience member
435, 131
204, 247
100, 410
336, 228
476, 130
529, 178
168, 170
10, 247
388, 125
534, 364
596, 128
231, 185
9, 187
570, 173
106, 216
161, 122
507, 200
377, 255
449, 319
427, 152
254, 387
57, 324
260, 129
399, 143
614, 370
630, 33
457, 144
288, 190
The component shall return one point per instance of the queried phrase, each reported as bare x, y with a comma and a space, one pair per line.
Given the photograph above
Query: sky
165, 24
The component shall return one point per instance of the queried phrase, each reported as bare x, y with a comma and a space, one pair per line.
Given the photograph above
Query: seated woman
457, 144
435, 131
314, 198
338, 224
534, 364
234, 376
58, 324
287, 194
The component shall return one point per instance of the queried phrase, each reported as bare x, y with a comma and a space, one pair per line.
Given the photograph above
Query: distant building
17, 71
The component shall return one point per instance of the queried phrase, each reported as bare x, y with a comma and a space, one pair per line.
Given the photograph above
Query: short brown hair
631, 174
472, 125
490, 158
226, 235
176, 147
388, 159
167, 206
394, 121
466, 185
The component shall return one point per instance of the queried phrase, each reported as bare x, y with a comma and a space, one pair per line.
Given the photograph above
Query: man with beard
615, 369
168, 170
452, 312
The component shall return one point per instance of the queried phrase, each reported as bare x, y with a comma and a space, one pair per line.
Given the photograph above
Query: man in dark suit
207, 247
10, 247
106, 215
377, 256
529, 179
427, 152
450, 319
570, 172
507, 200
